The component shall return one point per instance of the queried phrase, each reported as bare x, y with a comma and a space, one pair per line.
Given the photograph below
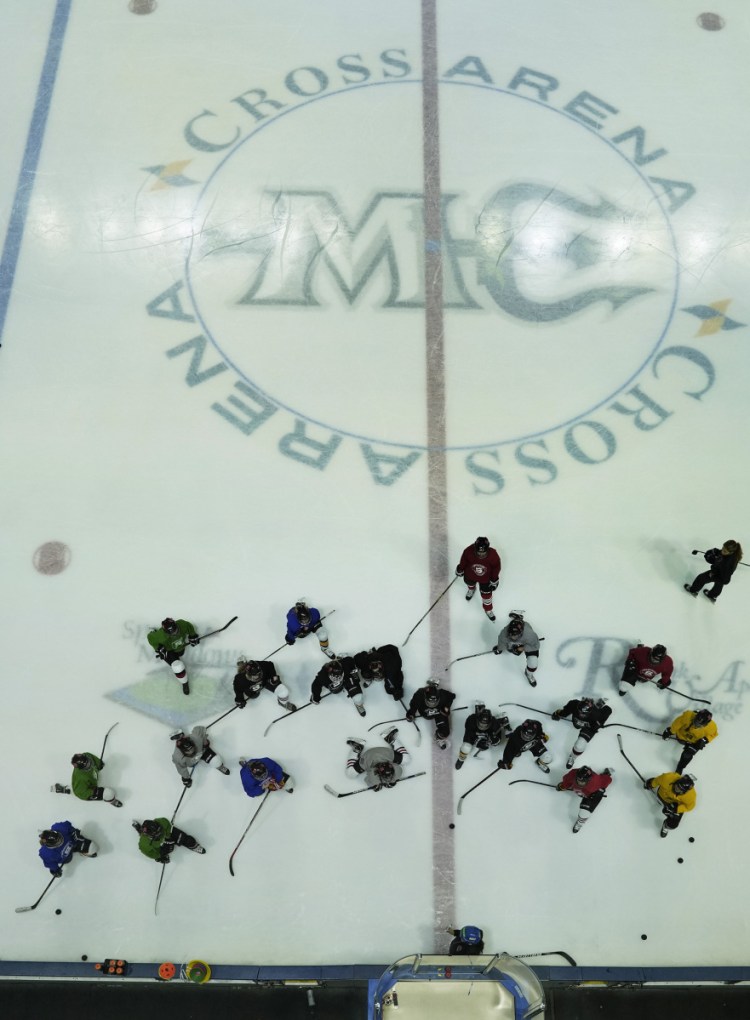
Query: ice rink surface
222, 365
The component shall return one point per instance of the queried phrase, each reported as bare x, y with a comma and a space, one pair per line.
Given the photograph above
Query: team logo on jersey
479, 569
301, 310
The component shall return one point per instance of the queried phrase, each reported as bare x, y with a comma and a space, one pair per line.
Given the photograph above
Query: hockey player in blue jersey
302, 620
60, 842
262, 775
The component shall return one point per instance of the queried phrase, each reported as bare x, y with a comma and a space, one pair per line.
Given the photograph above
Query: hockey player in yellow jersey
677, 796
694, 730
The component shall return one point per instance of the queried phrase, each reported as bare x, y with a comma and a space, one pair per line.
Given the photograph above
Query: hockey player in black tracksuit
482, 730
588, 716
339, 675
431, 702
384, 664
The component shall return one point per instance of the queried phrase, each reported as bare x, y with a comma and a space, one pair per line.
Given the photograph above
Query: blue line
27, 175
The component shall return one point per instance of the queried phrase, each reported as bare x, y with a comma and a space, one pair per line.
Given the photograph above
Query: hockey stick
529, 709
702, 552
556, 952
402, 718
228, 712
353, 793
413, 722
202, 637
622, 752
637, 728
430, 609
106, 736
460, 799
158, 888
461, 658
703, 701
552, 786
288, 715
22, 910
255, 815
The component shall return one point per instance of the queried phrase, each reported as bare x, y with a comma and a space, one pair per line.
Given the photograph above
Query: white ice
111, 446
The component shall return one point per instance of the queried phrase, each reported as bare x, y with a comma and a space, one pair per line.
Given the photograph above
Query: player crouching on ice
86, 769
158, 838
643, 664
589, 786
378, 766
263, 775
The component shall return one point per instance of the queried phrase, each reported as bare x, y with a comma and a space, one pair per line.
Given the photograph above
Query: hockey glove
494, 584
517, 649
187, 782
161, 652
163, 859
670, 809
556, 715
57, 873
409, 717
666, 734
700, 744
662, 684
194, 639
240, 704
459, 572
559, 786
289, 640
497, 650
647, 783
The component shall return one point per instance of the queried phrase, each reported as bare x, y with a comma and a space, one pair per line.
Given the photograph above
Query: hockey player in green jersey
158, 838
85, 779
169, 643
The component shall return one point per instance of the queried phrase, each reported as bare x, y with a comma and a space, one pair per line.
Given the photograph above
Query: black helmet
51, 838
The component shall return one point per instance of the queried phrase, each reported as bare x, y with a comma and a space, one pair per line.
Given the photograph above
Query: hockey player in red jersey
480, 564
589, 786
645, 664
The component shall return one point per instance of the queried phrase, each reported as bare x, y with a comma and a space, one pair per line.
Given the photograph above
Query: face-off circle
307, 273
51, 558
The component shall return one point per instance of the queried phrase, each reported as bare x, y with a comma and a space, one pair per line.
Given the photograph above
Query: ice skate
470, 594
356, 745
459, 764
490, 615
197, 849
711, 598
530, 677
689, 590
186, 688
115, 802
224, 770
360, 709
569, 762
542, 766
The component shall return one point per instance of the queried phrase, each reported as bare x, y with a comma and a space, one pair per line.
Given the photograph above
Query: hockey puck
451, 826
84, 957
680, 860
58, 911
644, 937
691, 839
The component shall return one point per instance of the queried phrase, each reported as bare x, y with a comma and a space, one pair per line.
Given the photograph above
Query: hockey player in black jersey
253, 677
336, 676
432, 702
588, 716
529, 736
384, 664
482, 730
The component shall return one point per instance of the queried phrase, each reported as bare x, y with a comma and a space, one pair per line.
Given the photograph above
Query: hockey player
158, 838
588, 716
253, 677
339, 675
482, 730
677, 796
723, 563
643, 664
529, 736
170, 642
694, 730
589, 786
519, 636
432, 702
60, 842
379, 766
190, 748
480, 563
260, 775
384, 664
302, 620
467, 941
86, 769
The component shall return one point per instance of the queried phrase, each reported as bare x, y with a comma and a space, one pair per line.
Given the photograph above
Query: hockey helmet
583, 775
470, 935
169, 625
683, 784
150, 828
51, 838
302, 611
431, 694
702, 717
657, 653
258, 769
81, 761
482, 546
186, 745
335, 667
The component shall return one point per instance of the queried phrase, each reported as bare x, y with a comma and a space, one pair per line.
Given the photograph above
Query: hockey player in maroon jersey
643, 664
589, 786
480, 564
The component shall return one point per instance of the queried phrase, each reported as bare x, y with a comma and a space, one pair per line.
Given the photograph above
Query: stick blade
330, 790
231, 866
619, 740
460, 804
22, 910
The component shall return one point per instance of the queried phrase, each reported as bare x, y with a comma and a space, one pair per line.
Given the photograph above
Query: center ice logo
305, 273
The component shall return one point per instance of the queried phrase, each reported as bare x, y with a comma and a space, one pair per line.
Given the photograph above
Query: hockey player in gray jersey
379, 766
517, 637
190, 748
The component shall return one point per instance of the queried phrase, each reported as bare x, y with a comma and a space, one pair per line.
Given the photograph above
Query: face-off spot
51, 558
711, 22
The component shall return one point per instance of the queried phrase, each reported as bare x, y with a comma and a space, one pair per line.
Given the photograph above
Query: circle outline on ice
420, 446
